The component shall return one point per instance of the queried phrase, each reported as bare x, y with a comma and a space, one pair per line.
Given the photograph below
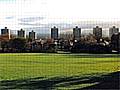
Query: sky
41, 15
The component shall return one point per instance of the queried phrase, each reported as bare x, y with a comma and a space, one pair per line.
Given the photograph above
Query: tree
4, 44
18, 44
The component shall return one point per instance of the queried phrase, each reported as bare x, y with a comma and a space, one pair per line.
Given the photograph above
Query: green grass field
29, 65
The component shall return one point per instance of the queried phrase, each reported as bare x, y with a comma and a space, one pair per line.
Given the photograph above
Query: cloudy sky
41, 15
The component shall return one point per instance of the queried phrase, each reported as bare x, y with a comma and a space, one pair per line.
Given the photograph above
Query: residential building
76, 33
113, 30
54, 33
32, 35
115, 41
97, 31
21, 34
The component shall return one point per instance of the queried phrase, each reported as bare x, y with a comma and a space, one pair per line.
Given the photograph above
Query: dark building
21, 34
32, 35
77, 33
113, 30
54, 33
5, 34
97, 32
115, 41
4, 31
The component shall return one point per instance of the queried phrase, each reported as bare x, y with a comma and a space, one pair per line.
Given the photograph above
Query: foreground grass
21, 66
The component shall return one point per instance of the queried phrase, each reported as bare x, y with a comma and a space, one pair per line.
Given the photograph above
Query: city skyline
76, 31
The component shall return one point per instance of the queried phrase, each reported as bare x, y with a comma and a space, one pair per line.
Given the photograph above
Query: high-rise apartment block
115, 42
97, 32
4, 31
113, 30
77, 33
5, 34
21, 34
32, 35
54, 33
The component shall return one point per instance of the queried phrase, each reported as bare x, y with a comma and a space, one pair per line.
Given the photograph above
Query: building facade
32, 35
54, 33
115, 42
97, 32
4, 31
21, 34
76, 33
113, 30
5, 34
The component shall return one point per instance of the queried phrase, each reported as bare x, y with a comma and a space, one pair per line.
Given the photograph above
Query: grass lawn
31, 65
